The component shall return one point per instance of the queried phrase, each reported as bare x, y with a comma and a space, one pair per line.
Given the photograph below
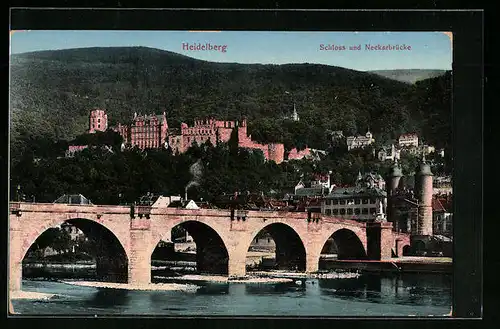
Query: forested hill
409, 76
53, 91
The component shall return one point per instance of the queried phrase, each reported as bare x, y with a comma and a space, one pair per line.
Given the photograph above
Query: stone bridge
125, 236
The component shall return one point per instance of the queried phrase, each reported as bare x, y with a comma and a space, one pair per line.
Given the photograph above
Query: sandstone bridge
125, 236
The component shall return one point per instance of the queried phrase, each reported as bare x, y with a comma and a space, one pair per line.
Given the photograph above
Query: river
405, 294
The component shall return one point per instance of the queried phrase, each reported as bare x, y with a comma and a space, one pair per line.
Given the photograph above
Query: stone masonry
139, 231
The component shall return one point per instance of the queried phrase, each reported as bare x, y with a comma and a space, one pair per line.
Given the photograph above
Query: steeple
295, 115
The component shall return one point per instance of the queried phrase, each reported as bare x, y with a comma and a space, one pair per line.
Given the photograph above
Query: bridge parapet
15, 208
191, 212
314, 222
68, 208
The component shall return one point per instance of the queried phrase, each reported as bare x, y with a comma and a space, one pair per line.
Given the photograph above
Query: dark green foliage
52, 93
55, 237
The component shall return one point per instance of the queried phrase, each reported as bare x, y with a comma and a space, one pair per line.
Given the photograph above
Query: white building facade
359, 141
408, 140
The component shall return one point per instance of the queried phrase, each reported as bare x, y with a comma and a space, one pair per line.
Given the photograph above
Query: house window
342, 211
357, 201
335, 201
364, 211
373, 210
342, 201
328, 202
349, 211
328, 211
335, 211
372, 201
357, 211
98, 126
365, 201
98, 120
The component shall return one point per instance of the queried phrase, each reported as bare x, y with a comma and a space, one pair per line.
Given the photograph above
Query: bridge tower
423, 192
392, 181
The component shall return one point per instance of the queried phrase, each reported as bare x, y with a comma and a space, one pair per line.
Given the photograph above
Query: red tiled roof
437, 205
447, 204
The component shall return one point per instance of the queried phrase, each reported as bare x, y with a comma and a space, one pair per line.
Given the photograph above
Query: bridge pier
139, 260
380, 240
312, 263
236, 265
15, 260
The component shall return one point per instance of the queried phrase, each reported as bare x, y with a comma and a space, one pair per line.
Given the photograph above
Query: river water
406, 294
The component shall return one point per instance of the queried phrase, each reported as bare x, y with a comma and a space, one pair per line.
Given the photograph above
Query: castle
152, 131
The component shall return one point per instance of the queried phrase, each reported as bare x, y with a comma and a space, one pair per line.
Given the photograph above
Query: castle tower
392, 180
98, 121
423, 193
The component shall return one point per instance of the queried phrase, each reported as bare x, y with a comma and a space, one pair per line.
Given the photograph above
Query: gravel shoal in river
151, 286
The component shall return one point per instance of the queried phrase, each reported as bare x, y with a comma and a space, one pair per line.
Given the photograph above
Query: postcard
230, 173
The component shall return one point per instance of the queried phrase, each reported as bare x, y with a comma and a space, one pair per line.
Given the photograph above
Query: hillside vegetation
52, 93
409, 76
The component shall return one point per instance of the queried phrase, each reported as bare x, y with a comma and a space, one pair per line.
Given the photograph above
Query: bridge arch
212, 248
110, 244
290, 246
350, 241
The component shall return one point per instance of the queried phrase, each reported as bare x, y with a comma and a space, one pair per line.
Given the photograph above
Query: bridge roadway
222, 236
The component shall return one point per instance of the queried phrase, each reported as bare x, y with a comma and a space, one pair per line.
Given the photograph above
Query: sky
429, 50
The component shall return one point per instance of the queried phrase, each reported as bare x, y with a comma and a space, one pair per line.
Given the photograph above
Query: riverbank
296, 275
20, 294
395, 265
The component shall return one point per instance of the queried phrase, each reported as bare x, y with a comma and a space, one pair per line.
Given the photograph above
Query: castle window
349, 211
335, 201
335, 211
372, 201
357, 201
357, 211
99, 120
342, 211
372, 210
328, 202
365, 201
98, 126
328, 211
364, 211
342, 201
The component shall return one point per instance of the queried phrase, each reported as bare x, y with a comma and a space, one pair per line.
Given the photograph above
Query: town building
442, 216
73, 199
362, 202
408, 140
98, 121
158, 201
391, 153
359, 141
358, 203
319, 186
442, 186
73, 231
73, 149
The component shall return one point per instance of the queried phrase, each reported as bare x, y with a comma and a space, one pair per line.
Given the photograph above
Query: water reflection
368, 295
213, 289
108, 298
409, 289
